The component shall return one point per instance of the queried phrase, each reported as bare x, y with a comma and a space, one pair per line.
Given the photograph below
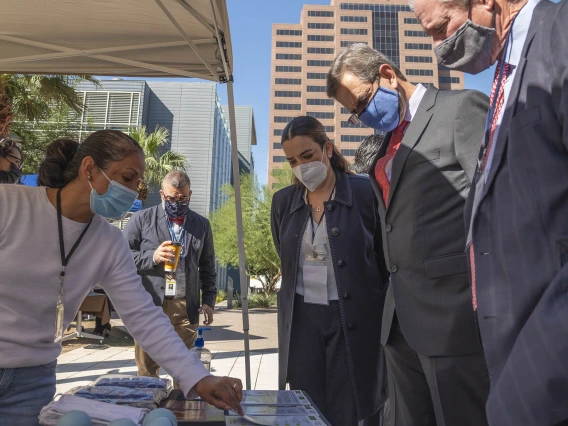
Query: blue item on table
159, 413
132, 382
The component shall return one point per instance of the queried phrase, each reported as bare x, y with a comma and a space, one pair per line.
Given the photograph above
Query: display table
94, 303
200, 413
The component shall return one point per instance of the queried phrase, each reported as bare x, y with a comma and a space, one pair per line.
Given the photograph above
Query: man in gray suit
150, 232
517, 211
421, 175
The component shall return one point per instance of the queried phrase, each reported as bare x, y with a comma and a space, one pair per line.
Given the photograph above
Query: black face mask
176, 209
13, 176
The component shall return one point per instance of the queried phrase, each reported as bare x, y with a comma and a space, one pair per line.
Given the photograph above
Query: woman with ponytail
55, 246
327, 232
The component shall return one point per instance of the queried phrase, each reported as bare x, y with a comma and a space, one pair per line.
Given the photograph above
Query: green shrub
261, 301
221, 295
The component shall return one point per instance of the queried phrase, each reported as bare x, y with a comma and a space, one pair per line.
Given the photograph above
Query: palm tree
158, 161
30, 97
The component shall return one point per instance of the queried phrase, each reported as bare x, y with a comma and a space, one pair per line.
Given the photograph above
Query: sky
251, 34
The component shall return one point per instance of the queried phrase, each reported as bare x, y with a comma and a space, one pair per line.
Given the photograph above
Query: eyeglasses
181, 200
361, 107
17, 161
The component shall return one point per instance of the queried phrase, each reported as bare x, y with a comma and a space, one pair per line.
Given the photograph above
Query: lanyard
65, 259
181, 238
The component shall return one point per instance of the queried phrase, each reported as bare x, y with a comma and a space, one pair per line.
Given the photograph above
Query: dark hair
65, 156
311, 127
366, 153
7, 145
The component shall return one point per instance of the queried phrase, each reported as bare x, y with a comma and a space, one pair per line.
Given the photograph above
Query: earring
89, 177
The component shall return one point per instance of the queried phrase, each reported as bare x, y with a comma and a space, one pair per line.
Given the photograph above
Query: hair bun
59, 154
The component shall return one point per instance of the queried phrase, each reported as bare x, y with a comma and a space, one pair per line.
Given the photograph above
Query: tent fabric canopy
139, 38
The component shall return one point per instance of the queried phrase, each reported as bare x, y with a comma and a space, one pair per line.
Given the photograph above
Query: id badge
171, 286
315, 282
58, 337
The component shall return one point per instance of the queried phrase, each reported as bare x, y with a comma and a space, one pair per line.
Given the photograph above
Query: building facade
302, 54
246, 132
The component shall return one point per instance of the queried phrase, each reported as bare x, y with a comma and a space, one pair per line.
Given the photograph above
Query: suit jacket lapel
380, 153
412, 136
163, 230
510, 108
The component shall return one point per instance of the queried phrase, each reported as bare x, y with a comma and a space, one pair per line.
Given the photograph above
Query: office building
246, 132
302, 54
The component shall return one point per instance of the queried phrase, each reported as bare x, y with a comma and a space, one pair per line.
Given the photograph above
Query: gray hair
177, 179
360, 60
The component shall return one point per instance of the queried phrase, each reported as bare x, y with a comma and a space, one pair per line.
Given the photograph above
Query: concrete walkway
82, 366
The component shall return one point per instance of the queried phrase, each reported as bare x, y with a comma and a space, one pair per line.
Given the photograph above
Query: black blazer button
346, 296
394, 268
330, 207
335, 231
388, 228
341, 263
351, 326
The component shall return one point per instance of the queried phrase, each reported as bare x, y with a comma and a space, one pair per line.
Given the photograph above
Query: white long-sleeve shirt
30, 264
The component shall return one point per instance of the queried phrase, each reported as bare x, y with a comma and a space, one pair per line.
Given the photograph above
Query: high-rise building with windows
302, 54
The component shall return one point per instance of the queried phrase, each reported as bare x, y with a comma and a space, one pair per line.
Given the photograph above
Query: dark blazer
355, 241
147, 229
520, 235
423, 235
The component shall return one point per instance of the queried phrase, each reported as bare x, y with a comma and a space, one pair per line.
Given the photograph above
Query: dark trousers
434, 391
318, 362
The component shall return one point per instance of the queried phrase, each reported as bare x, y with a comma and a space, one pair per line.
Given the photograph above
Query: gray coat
355, 241
520, 235
147, 229
423, 233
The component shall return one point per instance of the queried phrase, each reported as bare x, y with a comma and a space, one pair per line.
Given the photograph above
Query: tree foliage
262, 260
159, 161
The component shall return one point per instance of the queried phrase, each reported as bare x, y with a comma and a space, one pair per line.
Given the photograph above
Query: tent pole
240, 236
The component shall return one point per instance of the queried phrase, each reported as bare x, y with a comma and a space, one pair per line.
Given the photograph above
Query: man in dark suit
421, 175
150, 233
517, 213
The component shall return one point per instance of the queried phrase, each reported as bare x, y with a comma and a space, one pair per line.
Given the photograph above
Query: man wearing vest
149, 233
421, 175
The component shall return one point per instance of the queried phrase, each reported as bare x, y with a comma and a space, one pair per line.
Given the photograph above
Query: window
289, 107
320, 13
408, 33
319, 63
418, 46
287, 81
411, 21
375, 7
321, 50
288, 69
279, 159
289, 32
288, 44
320, 26
451, 80
354, 31
423, 73
289, 56
278, 132
282, 119
344, 111
287, 94
317, 76
329, 129
347, 124
320, 89
353, 19
419, 59
352, 138
319, 102
348, 152
345, 43
276, 145
321, 115
320, 38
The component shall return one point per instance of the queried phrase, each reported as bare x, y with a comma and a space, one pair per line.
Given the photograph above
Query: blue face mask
382, 111
114, 203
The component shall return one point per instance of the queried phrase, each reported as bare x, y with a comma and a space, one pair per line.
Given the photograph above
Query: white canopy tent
138, 38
